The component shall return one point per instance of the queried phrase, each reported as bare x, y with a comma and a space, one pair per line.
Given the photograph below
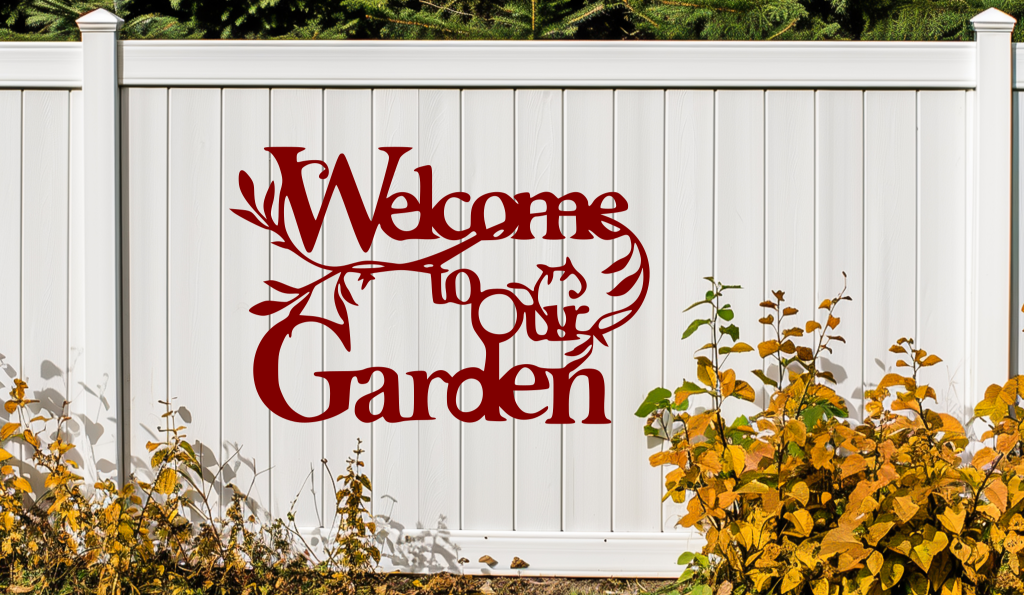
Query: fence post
101, 136
990, 300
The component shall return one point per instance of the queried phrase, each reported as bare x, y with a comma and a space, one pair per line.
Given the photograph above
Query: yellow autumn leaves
800, 499
161, 537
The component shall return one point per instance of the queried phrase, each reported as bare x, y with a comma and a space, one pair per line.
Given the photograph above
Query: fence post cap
993, 19
100, 20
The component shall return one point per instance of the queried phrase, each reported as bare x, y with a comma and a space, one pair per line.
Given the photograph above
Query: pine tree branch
413, 24
704, 6
593, 11
788, 27
445, 8
638, 13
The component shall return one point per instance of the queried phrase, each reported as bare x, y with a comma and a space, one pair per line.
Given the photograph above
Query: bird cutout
488, 561
518, 562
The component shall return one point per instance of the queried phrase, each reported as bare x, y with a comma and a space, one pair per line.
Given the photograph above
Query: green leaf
651, 431
812, 414
702, 560
764, 378
656, 399
695, 304
701, 590
732, 330
726, 314
685, 558
691, 387
696, 324
832, 410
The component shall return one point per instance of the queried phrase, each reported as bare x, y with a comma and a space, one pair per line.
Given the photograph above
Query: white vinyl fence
127, 281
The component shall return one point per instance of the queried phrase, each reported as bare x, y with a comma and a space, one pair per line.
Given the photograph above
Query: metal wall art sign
593, 220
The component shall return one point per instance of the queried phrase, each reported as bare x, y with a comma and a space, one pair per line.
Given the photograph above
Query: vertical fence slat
44, 256
77, 283
396, 312
144, 185
10, 242
588, 447
296, 120
637, 361
689, 235
487, 446
348, 127
245, 264
538, 444
194, 212
890, 226
439, 332
789, 202
739, 213
1017, 272
942, 247
839, 240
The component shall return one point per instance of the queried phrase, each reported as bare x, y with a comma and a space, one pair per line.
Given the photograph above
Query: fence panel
765, 183
764, 173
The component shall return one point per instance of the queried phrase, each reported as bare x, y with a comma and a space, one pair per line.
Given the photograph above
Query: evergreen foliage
515, 19
54, 20
875, 20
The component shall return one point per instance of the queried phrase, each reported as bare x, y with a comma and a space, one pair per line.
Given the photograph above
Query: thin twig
788, 27
445, 8
689, 5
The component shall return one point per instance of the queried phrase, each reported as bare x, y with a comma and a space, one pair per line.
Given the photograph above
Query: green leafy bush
800, 499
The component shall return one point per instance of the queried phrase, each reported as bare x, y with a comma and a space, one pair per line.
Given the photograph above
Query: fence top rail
1018, 66
563, 64
550, 64
40, 64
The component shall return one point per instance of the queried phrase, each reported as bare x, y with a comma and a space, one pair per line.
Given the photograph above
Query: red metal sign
594, 220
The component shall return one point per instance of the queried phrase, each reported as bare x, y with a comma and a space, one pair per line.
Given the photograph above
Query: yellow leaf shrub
801, 499
162, 536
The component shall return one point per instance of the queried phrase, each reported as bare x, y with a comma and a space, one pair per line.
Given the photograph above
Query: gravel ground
466, 585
